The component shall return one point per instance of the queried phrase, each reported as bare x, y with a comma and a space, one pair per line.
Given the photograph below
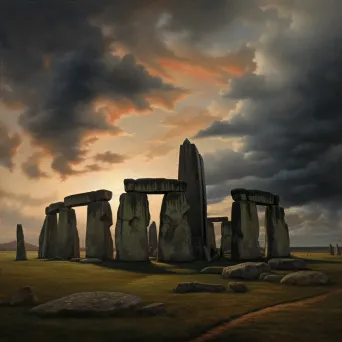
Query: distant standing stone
21, 250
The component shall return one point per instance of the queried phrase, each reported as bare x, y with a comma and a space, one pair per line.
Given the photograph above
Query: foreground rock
213, 270
287, 264
246, 270
237, 287
273, 278
21, 250
23, 297
305, 278
199, 287
90, 304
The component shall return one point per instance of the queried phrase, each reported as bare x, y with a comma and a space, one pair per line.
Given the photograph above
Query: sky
93, 92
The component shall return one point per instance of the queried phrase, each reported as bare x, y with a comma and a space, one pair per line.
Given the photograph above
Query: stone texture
211, 239
199, 287
152, 240
217, 219
226, 237
154, 185
337, 250
245, 231
305, 278
48, 237
133, 217
277, 242
264, 275
273, 278
191, 170
23, 297
174, 242
213, 270
96, 304
331, 249
257, 196
237, 287
99, 242
21, 249
67, 235
87, 197
54, 208
246, 270
287, 264
153, 309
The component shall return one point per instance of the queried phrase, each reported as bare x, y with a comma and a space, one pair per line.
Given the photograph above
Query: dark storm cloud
109, 157
9, 144
31, 167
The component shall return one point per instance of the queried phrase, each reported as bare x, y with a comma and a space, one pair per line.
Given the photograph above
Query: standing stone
277, 240
191, 170
245, 229
133, 217
67, 236
152, 239
174, 243
337, 250
41, 240
21, 249
48, 237
211, 239
331, 249
226, 237
99, 243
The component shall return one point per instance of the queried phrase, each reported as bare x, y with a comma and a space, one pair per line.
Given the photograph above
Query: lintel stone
154, 185
54, 208
87, 197
218, 219
257, 196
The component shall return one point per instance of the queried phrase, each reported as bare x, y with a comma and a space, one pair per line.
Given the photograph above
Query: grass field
187, 315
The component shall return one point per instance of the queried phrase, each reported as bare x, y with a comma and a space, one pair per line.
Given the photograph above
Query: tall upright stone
226, 237
133, 217
99, 242
331, 249
152, 239
174, 242
245, 231
211, 239
21, 249
277, 239
191, 170
337, 250
48, 237
67, 237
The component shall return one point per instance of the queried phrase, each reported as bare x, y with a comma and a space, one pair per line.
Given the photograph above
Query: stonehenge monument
21, 249
191, 170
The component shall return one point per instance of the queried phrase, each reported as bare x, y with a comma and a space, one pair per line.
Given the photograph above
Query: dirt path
217, 331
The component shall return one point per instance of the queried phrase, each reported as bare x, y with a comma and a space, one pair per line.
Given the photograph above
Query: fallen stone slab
154, 185
257, 196
90, 261
54, 208
237, 287
287, 264
246, 270
153, 309
199, 287
263, 275
305, 278
273, 278
87, 197
90, 304
213, 270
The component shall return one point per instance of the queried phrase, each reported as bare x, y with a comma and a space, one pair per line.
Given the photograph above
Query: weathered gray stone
154, 185
287, 264
99, 242
87, 197
133, 217
337, 250
54, 208
153, 309
211, 239
237, 287
264, 275
213, 270
23, 297
245, 231
257, 196
305, 278
246, 270
21, 249
226, 237
152, 240
199, 287
67, 235
48, 238
277, 234
331, 249
96, 304
174, 242
273, 278
217, 219
191, 170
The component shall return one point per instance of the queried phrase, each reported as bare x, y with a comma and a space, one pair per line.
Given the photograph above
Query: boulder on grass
305, 278
246, 270
287, 264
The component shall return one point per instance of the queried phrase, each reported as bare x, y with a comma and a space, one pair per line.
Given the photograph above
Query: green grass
187, 315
